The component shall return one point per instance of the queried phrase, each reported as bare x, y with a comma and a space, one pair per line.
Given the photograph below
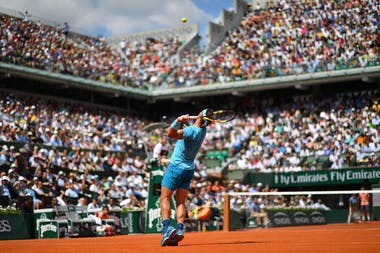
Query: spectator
104, 216
12, 175
6, 189
61, 199
21, 186
95, 185
104, 213
38, 188
82, 202
161, 150
320, 205
365, 205
66, 29
53, 203
94, 205
71, 191
37, 203
115, 193
25, 16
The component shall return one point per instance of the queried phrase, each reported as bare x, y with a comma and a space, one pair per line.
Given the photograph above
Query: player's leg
349, 215
165, 197
167, 231
265, 219
167, 188
364, 209
368, 213
181, 195
362, 215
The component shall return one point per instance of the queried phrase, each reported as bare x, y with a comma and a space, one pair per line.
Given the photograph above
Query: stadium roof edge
270, 83
71, 81
183, 32
155, 94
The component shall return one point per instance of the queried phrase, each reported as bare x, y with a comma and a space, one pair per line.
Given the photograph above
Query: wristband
175, 125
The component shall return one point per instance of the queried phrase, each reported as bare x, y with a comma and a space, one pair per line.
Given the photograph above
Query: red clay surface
325, 238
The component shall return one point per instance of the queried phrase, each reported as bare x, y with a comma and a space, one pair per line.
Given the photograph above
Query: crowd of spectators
55, 49
282, 38
291, 37
343, 129
65, 151
279, 38
38, 121
61, 151
56, 150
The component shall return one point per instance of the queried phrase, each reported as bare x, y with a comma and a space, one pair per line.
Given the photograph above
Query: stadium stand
273, 39
61, 152
41, 46
298, 134
291, 37
318, 133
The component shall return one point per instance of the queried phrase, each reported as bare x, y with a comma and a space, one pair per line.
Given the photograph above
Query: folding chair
61, 219
79, 221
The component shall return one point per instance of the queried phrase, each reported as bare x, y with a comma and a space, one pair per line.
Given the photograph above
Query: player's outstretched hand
184, 118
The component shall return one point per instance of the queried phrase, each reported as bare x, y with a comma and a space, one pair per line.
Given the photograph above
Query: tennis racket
219, 116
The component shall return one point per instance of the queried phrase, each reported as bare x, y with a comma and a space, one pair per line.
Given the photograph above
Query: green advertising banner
48, 229
279, 218
319, 177
43, 214
13, 226
342, 176
153, 213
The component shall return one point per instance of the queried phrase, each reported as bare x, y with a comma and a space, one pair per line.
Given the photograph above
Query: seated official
257, 212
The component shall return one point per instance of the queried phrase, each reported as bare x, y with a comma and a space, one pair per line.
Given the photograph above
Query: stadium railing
281, 210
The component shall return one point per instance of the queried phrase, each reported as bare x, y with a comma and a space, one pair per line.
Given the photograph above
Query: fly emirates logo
333, 176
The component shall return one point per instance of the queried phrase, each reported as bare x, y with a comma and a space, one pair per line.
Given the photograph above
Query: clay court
324, 238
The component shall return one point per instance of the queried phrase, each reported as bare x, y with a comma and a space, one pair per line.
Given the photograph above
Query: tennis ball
184, 20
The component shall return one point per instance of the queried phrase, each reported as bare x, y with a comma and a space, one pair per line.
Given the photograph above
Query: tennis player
179, 173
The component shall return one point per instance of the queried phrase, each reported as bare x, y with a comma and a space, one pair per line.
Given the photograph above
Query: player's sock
165, 224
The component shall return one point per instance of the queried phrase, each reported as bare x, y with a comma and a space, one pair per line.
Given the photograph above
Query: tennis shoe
167, 235
180, 232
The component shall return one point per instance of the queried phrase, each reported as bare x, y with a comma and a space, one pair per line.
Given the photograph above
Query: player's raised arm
175, 130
